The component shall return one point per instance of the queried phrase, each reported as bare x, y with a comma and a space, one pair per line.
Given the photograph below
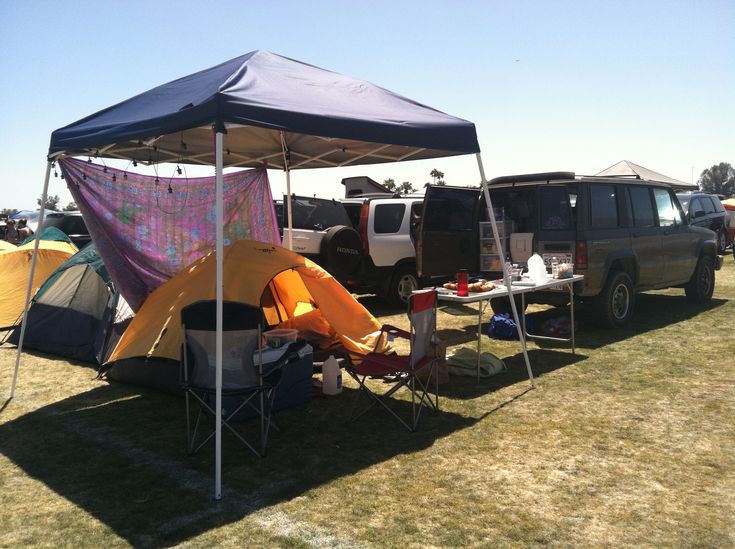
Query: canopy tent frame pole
218, 138
287, 167
506, 274
34, 257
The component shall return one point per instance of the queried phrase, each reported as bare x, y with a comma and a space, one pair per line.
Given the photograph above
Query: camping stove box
294, 389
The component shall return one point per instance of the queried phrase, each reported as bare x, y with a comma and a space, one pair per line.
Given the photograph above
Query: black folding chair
246, 381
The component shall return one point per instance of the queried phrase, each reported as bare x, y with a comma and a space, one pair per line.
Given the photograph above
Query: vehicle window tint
667, 213
388, 218
555, 211
317, 213
640, 199
603, 207
709, 207
694, 206
450, 210
684, 201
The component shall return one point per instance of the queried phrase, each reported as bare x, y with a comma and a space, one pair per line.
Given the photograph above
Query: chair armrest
395, 332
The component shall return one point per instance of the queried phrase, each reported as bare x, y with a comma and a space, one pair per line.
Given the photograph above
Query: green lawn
630, 442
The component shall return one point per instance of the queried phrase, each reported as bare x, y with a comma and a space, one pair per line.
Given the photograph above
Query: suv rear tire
614, 306
700, 287
402, 283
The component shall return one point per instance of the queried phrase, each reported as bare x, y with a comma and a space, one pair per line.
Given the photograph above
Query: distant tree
719, 179
406, 187
71, 207
52, 203
438, 177
390, 184
7, 212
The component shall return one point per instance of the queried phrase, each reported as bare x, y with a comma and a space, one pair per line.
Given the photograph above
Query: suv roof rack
532, 177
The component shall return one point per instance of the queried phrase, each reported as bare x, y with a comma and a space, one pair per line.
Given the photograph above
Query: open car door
448, 238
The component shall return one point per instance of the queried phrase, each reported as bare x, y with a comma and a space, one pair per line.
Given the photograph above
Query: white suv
385, 225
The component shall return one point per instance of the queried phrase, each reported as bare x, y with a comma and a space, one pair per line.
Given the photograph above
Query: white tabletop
500, 290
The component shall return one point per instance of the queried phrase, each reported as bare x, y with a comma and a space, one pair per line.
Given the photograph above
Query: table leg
571, 307
479, 337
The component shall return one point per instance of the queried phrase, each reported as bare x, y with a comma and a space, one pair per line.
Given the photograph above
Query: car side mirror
698, 214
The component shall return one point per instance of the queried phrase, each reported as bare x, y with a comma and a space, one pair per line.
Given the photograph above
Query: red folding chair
402, 370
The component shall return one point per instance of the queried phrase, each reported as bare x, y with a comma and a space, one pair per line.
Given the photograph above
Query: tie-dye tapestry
146, 228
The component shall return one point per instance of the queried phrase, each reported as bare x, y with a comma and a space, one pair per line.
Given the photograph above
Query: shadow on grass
543, 361
118, 453
652, 312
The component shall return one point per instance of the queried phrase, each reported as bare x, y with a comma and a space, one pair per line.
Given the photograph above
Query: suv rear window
603, 207
642, 206
555, 210
668, 215
388, 218
316, 213
448, 210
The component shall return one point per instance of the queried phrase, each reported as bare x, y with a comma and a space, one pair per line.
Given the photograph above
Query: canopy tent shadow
136, 478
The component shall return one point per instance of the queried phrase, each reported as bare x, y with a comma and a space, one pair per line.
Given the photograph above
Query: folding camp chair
246, 382
413, 371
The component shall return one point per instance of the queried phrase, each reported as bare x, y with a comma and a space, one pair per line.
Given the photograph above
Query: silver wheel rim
620, 301
406, 284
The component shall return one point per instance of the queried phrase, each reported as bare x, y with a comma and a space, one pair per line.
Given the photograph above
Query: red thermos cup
462, 283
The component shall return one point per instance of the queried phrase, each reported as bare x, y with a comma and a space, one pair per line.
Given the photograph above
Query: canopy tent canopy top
276, 112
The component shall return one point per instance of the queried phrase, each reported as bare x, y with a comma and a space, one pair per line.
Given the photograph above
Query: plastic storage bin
279, 337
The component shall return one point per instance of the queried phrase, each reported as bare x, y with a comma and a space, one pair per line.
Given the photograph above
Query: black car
706, 210
71, 224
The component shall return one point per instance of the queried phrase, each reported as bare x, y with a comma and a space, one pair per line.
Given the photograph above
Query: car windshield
684, 201
316, 213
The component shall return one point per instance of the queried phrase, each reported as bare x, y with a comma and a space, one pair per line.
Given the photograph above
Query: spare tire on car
340, 252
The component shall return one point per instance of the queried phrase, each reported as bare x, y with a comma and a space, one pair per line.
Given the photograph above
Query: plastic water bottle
508, 268
331, 377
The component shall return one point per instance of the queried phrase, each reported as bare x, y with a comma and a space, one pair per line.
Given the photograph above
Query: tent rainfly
265, 109
634, 171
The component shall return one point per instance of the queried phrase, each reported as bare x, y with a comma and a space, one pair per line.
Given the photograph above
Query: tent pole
218, 138
287, 167
506, 275
39, 228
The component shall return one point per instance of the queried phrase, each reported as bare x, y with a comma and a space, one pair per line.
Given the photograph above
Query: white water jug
331, 376
537, 269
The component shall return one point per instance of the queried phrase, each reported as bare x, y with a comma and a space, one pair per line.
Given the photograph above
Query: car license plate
560, 257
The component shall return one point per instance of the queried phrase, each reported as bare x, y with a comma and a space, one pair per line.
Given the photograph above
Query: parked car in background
706, 210
71, 223
365, 242
625, 236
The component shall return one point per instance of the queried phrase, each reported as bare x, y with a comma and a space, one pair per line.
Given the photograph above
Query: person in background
24, 231
11, 233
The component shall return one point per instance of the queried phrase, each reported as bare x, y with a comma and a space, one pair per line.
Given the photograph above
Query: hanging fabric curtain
147, 228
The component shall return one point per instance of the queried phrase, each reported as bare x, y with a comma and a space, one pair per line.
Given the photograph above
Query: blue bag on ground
502, 326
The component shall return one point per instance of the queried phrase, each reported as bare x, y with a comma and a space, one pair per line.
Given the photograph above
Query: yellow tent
15, 266
289, 287
5, 245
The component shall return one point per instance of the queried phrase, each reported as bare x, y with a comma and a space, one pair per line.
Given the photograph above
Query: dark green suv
624, 235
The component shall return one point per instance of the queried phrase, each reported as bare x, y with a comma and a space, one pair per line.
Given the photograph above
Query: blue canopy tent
263, 109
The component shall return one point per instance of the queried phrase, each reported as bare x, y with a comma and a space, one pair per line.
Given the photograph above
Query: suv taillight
580, 256
362, 228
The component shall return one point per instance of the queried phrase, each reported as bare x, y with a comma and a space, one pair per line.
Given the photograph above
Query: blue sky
550, 85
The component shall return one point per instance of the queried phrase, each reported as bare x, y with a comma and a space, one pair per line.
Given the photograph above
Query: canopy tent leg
218, 138
287, 167
506, 275
39, 228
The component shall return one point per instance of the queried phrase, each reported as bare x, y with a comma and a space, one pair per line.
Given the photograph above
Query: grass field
630, 442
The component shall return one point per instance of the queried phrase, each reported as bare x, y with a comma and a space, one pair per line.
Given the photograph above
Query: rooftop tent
73, 312
634, 171
15, 267
289, 287
264, 109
